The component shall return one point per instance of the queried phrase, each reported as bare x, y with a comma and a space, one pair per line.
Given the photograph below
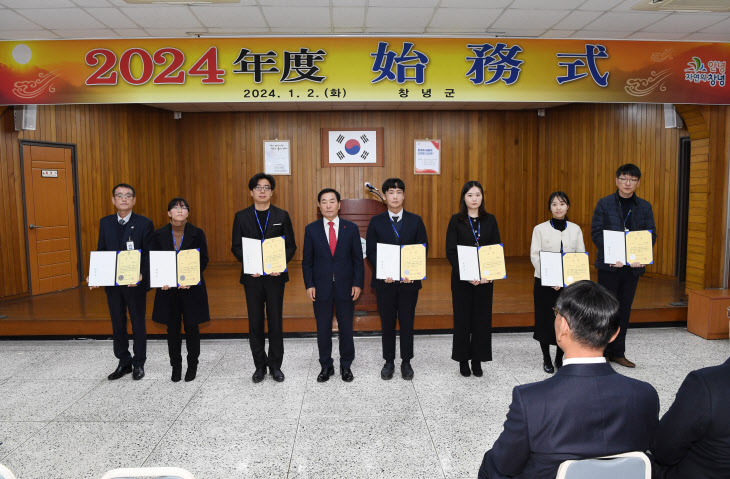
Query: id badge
130, 245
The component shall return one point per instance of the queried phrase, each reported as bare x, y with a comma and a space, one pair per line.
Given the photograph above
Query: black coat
112, 238
193, 302
245, 225
460, 233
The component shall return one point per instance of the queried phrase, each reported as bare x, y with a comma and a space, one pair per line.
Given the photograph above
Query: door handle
33, 227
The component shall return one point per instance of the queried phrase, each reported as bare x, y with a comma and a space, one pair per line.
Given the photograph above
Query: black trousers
120, 299
344, 309
397, 304
622, 284
174, 338
472, 321
266, 294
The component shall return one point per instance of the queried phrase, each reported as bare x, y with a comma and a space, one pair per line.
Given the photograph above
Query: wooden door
50, 218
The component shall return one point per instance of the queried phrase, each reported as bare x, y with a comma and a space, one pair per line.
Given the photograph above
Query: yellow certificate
413, 262
639, 247
188, 267
274, 253
491, 262
128, 264
575, 268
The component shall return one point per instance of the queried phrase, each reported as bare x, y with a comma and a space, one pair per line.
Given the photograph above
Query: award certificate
413, 262
273, 251
163, 271
491, 262
102, 267
575, 268
639, 247
188, 267
128, 264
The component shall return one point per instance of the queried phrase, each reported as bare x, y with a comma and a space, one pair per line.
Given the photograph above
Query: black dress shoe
119, 372
259, 375
276, 374
191, 373
325, 374
388, 370
346, 374
547, 366
406, 370
176, 374
464, 368
476, 368
138, 373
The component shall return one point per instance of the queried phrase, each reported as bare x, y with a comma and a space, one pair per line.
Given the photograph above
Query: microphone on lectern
374, 190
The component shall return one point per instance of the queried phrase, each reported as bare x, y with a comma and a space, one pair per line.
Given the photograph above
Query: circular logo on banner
352, 147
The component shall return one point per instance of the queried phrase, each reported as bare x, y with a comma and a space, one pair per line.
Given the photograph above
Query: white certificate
551, 268
614, 247
388, 265
102, 268
253, 258
468, 263
163, 269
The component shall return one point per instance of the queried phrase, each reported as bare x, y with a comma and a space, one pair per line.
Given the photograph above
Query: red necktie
333, 237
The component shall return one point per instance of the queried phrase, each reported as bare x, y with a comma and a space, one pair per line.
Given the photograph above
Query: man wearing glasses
123, 231
260, 221
621, 211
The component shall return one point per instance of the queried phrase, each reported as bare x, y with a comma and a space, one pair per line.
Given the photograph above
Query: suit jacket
319, 265
693, 437
113, 238
608, 215
460, 233
245, 225
193, 302
380, 230
583, 411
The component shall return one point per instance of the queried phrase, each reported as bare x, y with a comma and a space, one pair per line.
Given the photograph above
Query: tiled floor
61, 418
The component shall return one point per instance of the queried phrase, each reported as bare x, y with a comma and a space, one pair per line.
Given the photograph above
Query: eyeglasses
119, 196
262, 188
628, 181
556, 312
180, 208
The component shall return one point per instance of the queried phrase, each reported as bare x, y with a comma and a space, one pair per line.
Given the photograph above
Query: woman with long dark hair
472, 300
186, 305
557, 235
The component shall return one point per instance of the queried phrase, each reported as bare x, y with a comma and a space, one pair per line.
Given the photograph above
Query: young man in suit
122, 231
693, 437
334, 276
259, 221
586, 410
396, 299
621, 211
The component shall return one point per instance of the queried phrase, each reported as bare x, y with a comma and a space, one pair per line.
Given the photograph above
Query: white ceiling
588, 19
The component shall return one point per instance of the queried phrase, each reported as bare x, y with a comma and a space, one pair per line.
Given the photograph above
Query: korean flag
352, 147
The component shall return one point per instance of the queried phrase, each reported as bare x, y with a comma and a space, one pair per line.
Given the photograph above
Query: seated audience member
586, 409
693, 437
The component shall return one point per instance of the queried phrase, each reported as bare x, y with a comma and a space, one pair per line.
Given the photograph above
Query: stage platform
82, 312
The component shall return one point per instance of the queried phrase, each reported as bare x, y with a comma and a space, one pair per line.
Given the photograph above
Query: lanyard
259, 222
627, 217
478, 234
174, 243
392, 225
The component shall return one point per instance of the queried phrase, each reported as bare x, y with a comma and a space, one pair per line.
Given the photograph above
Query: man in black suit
693, 437
334, 276
260, 221
621, 211
126, 230
587, 409
396, 299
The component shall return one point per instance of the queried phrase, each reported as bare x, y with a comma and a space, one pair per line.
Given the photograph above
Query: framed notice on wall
277, 160
427, 157
352, 147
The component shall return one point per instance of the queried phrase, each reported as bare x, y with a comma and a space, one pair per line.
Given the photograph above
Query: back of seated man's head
591, 312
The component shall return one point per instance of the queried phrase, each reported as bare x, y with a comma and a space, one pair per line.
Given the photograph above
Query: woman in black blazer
185, 304
472, 301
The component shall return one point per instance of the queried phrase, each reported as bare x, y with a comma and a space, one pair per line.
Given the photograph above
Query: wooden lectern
360, 212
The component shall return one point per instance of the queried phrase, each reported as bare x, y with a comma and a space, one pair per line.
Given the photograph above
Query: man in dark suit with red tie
587, 409
334, 277
123, 231
264, 292
396, 299
693, 437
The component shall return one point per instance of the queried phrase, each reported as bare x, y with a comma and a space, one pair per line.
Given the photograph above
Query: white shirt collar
336, 221
125, 219
596, 360
398, 214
